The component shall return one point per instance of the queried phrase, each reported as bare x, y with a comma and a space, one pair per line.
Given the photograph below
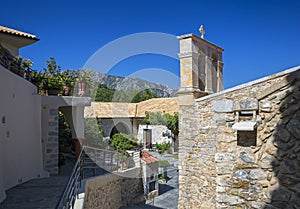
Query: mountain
130, 83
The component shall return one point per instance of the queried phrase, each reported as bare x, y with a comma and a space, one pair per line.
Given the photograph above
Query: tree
123, 142
155, 118
172, 122
52, 76
120, 96
104, 94
143, 95
162, 118
93, 133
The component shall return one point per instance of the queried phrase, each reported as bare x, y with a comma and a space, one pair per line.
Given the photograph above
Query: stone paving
35, 194
43, 193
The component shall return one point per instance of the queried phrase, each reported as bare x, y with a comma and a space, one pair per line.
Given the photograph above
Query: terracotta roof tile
17, 32
110, 110
168, 105
148, 158
131, 110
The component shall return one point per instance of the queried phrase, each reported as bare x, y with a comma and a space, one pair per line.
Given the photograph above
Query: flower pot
53, 92
81, 88
81, 85
66, 91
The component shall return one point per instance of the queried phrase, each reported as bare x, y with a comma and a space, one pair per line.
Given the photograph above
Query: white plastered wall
20, 132
157, 134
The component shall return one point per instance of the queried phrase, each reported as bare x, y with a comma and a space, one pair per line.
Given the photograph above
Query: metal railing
93, 158
111, 161
68, 197
10, 62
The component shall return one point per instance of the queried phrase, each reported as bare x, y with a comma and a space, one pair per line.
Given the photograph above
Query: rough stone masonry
257, 164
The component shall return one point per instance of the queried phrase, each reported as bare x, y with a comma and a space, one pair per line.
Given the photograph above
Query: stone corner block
245, 104
222, 106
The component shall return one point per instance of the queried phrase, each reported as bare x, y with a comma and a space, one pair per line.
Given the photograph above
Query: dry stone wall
114, 191
224, 168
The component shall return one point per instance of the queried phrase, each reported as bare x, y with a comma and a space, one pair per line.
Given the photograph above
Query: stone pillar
50, 138
189, 84
135, 127
220, 76
197, 78
208, 72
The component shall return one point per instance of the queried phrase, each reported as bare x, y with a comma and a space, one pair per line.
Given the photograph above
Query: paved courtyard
41, 193
44, 193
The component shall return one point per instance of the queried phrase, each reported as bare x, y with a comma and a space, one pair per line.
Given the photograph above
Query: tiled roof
110, 110
168, 105
131, 110
17, 32
148, 158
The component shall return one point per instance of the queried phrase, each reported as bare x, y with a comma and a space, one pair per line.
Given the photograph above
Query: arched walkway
119, 128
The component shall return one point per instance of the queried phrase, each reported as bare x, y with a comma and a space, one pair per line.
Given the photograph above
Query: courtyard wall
114, 190
221, 167
20, 132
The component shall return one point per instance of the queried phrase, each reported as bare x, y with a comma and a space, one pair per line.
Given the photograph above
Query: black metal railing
110, 161
68, 197
8, 61
101, 162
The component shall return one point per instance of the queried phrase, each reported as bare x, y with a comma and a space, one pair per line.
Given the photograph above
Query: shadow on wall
286, 140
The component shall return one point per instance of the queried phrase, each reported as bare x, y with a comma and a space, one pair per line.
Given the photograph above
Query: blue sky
259, 37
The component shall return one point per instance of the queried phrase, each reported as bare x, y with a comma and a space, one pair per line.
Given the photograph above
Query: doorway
148, 138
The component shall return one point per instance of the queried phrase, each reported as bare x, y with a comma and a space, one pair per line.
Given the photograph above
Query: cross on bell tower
201, 67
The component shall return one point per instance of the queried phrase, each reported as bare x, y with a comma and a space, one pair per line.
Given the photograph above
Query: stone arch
120, 127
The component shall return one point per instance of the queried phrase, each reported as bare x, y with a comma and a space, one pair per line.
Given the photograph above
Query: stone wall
224, 168
114, 190
50, 139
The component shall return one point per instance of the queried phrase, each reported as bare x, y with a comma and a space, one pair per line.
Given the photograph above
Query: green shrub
163, 163
161, 148
122, 142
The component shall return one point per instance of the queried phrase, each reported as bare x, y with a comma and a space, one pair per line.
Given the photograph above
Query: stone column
50, 138
220, 76
208, 78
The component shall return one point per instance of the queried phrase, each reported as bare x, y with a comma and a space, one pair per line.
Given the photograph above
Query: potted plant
21, 66
85, 79
69, 77
54, 84
36, 78
53, 80
163, 165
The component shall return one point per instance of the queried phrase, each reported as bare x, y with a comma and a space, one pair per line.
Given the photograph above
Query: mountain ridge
130, 83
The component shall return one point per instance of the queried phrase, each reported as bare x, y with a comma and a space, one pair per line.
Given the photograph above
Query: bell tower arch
201, 67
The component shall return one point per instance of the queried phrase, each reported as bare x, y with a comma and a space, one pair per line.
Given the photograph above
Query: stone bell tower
201, 67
